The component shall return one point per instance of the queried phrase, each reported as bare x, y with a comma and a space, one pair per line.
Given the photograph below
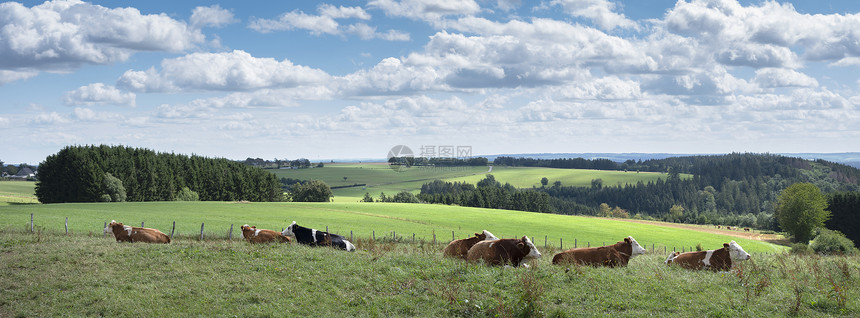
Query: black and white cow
313, 237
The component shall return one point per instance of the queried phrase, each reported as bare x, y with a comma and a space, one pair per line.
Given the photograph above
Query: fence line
394, 238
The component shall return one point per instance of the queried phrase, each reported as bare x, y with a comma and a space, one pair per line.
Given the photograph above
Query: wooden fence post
172, 229
350, 235
67, 225
201, 230
434, 238
141, 224
104, 234
452, 236
575, 243
413, 238
374, 235
230, 234
31, 222
589, 243
544, 241
394, 235
561, 243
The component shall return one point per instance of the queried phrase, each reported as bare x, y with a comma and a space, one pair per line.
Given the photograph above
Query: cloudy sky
352, 79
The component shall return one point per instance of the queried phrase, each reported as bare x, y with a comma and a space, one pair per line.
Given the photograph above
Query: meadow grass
527, 177
380, 178
365, 220
377, 177
50, 274
17, 192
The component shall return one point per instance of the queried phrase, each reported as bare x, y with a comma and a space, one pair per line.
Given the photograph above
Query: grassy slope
362, 219
17, 192
527, 177
379, 178
53, 275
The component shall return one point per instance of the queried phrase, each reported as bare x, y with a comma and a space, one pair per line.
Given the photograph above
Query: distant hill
848, 158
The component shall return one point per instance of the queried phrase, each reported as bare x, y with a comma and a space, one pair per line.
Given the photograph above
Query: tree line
97, 173
488, 193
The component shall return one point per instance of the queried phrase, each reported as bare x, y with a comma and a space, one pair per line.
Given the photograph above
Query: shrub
311, 191
800, 249
187, 195
831, 242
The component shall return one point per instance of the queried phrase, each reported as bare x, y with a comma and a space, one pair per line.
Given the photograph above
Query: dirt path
752, 235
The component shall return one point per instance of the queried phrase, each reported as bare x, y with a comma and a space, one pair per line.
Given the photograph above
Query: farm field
17, 192
364, 220
379, 178
49, 274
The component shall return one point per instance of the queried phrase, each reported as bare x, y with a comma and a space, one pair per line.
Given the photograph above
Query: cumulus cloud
89, 115
762, 35
316, 24
212, 16
48, 119
99, 94
60, 35
227, 71
427, 10
600, 12
366, 32
778, 77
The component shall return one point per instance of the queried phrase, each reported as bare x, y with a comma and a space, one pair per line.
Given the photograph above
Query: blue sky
352, 79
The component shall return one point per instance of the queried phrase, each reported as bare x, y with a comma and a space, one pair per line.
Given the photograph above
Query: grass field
363, 219
49, 274
17, 192
378, 177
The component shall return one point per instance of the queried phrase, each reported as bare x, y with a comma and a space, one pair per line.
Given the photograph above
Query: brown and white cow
459, 248
504, 252
716, 260
125, 233
618, 254
254, 235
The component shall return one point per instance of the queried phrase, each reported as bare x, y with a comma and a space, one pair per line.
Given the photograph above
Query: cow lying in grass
716, 260
504, 252
618, 254
254, 235
125, 233
312, 237
459, 248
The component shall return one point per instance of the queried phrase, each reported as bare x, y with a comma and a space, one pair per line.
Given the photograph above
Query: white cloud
89, 115
342, 12
428, 10
48, 119
227, 71
11, 76
778, 77
316, 24
61, 35
99, 94
366, 32
212, 16
766, 33
601, 12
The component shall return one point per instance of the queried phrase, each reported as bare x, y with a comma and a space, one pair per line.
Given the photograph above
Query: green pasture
364, 220
527, 177
46, 274
380, 178
17, 192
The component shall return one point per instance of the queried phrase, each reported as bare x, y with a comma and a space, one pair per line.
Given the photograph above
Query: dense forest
733, 189
94, 173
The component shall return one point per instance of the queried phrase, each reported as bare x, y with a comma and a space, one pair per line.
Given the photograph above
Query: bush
187, 195
311, 191
831, 242
800, 249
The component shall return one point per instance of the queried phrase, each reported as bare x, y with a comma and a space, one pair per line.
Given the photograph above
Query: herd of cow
483, 246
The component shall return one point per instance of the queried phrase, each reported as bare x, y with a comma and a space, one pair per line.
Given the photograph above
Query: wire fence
393, 237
